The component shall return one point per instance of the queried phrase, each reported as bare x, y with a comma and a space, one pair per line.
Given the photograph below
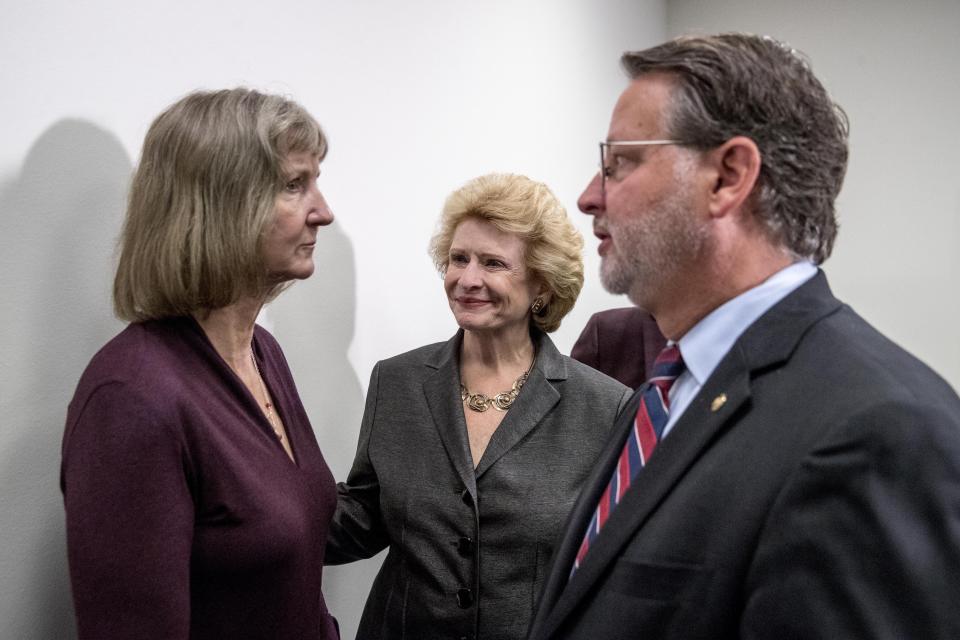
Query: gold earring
538, 305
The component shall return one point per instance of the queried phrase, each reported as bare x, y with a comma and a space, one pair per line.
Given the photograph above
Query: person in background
622, 343
197, 499
472, 451
797, 473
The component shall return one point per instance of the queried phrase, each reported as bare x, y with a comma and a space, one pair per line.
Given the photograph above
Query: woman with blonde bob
473, 450
197, 499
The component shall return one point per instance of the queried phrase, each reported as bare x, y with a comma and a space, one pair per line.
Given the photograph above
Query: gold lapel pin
718, 402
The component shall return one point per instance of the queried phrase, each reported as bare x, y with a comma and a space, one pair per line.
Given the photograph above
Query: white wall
417, 97
892, 65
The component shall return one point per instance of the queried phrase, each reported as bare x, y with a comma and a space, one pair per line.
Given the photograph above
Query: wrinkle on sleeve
358, 530
864, 541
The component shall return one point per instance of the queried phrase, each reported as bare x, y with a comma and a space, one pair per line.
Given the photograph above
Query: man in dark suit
622, 343
805, 481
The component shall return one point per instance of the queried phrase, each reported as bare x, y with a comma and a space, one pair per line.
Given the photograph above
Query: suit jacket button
466, 497
464, 598
465, 546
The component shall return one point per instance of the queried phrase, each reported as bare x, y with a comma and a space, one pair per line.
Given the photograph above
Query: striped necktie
647, 428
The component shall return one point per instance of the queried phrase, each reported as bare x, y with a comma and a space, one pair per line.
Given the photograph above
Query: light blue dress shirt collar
705, 345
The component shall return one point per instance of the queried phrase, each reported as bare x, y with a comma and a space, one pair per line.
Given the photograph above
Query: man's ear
736, 164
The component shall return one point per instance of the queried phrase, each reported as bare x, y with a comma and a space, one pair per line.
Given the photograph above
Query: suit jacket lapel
767, 343
536, 399
674, 455
442, 391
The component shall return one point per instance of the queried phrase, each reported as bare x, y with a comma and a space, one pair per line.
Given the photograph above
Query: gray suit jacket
810, 490
469, 547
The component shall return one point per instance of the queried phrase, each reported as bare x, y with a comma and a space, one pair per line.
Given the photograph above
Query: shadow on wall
59, 220
314, 323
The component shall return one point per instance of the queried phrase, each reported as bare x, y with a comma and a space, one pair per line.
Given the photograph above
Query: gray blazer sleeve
357, 530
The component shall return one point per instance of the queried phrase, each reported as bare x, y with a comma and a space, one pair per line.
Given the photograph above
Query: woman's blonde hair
201, 199
528, 209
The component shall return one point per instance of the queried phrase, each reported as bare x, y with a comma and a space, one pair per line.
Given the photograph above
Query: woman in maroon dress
197, 499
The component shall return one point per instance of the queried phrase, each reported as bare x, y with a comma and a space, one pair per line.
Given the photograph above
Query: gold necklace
267, 403
501, 401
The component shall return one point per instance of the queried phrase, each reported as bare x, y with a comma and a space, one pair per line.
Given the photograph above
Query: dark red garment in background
622, 343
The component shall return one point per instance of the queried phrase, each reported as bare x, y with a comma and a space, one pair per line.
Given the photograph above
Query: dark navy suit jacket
810, 490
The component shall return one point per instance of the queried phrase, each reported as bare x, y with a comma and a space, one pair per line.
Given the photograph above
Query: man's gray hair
743, 85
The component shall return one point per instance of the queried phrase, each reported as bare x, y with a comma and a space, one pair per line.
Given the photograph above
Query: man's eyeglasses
609, 169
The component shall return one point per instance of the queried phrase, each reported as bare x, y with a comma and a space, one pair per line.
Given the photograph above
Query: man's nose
591, 201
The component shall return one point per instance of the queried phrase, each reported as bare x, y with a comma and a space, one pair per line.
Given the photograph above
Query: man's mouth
605, 240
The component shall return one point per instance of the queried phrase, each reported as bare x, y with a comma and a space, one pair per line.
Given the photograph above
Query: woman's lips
472, 302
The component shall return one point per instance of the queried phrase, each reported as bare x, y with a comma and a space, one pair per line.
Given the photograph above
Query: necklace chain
501, 402
266, 398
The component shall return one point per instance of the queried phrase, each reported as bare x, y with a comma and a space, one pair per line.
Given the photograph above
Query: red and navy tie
646, 431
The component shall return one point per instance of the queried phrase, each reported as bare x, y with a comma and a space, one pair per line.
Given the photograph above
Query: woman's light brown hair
201, 199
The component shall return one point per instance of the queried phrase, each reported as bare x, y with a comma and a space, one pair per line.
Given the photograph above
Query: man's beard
651, 246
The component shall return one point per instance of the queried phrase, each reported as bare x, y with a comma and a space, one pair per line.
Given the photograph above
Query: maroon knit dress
185, 516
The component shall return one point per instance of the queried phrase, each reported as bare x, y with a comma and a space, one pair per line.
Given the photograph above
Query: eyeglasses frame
626, 143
